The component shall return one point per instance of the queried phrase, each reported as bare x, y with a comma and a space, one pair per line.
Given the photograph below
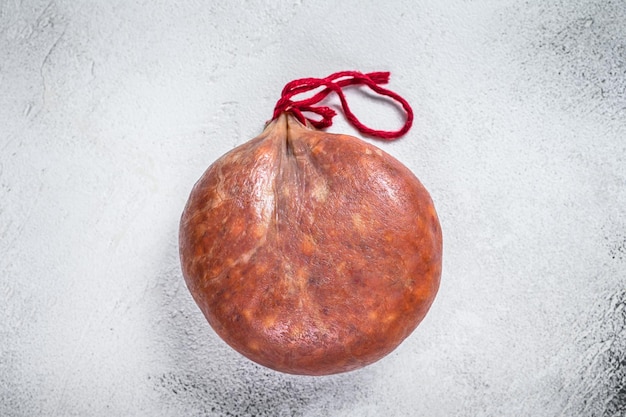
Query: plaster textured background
110, 111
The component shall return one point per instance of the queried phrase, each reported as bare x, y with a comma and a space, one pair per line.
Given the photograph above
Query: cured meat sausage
309, 252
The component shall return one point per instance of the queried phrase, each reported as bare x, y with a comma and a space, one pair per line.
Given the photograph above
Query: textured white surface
109, 112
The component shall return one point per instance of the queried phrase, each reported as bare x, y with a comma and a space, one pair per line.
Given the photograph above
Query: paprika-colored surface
310, 252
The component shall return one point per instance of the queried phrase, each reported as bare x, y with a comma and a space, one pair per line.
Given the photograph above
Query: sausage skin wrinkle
309, 252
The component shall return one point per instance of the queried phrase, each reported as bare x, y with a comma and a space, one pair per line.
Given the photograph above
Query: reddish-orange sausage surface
309, 252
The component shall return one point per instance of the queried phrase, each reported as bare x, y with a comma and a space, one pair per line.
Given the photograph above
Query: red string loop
336, 83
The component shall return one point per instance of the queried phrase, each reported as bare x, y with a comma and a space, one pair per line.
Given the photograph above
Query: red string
335, 83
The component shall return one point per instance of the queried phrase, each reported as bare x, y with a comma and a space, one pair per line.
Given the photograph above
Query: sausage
309, 252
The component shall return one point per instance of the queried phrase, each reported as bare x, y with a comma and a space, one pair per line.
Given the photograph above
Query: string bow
336, 83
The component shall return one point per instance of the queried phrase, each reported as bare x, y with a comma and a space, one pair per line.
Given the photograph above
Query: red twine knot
335, 83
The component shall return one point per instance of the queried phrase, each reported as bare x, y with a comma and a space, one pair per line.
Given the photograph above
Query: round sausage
309, 252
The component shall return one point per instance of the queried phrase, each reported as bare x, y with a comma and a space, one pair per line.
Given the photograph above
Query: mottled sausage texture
309, 252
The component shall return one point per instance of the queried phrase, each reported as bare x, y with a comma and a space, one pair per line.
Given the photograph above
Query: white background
110, 111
